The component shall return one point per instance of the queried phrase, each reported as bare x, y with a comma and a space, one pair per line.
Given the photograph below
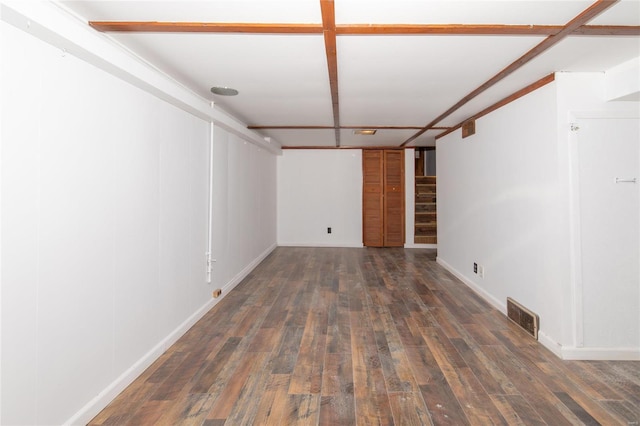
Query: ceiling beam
449, 29
465, 29
607, 30
204, 27
357, 29
396, 147
260, 127
588, 14
520, 93
330, 43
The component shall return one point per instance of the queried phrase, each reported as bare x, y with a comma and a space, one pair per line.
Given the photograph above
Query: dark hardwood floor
325, 336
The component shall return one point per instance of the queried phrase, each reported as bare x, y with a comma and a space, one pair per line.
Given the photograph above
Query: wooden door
372, 199
393, 198
383, 198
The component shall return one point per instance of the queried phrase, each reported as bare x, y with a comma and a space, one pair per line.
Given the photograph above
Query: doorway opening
426, 223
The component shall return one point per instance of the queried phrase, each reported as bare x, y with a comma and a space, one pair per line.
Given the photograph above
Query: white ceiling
383, 80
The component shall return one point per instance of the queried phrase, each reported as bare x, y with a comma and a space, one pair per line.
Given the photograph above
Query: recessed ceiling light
223, 91
367, 132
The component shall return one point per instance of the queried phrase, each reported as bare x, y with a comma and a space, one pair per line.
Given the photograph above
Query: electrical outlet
328, 230
475, 268
481, 271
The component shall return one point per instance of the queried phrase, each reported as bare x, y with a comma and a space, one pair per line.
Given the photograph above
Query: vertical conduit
210, 219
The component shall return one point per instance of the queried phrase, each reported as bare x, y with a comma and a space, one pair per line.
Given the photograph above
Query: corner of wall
622, 83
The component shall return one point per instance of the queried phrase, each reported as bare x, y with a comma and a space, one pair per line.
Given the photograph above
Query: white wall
498, 203
321, 188
104, 229
504, 202
244, 208
318, 189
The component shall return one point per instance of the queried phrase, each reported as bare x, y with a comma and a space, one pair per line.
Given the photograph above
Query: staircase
426, 224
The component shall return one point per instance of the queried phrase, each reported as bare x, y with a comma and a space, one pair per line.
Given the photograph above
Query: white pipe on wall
210, 220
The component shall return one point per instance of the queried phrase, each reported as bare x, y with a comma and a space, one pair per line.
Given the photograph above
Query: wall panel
105, 194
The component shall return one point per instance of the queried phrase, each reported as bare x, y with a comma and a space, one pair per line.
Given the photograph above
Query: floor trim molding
600, 354
100, 401
543, 338
345, 245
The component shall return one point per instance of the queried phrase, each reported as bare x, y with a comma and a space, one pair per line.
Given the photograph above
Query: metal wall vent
523, 317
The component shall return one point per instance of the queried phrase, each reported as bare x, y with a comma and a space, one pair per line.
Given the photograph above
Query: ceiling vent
468, 128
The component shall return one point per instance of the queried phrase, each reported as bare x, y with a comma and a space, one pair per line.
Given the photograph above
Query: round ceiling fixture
223, 91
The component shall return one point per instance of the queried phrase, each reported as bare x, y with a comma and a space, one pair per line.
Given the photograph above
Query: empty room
320, 212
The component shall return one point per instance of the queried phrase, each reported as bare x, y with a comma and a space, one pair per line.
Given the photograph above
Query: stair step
425, 179
426, 197
425, 216
425, 240
426, 225
426, 187
426, 230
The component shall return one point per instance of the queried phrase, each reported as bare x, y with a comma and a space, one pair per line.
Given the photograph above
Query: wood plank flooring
325, 336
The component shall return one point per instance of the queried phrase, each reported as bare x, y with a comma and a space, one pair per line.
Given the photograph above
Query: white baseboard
543, 338
601, 354
562, 352
550, 344
348, 245
100, 401
243, 274
501, 306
